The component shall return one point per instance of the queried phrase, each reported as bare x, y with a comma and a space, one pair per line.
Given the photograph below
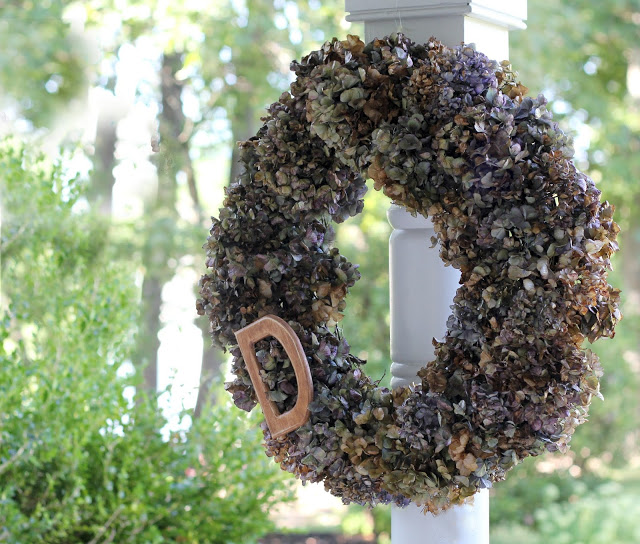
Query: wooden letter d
271, 325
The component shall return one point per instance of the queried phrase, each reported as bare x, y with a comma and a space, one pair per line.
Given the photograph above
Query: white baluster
422, 289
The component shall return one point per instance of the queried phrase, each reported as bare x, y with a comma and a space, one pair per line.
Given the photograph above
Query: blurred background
117, 125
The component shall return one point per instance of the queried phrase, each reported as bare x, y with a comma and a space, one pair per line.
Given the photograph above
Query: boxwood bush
80, 462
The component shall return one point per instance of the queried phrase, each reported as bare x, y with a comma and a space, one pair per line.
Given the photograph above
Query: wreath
449, 134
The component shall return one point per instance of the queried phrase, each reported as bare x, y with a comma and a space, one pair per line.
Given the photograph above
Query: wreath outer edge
449, 134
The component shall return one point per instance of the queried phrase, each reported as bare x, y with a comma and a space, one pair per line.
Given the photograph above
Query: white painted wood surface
484, 22
421, 287
421, 291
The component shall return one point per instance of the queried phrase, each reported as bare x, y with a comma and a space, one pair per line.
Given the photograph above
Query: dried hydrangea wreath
449, 134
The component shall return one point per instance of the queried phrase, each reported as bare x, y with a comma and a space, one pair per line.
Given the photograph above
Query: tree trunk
148, 342
630, 260
104, 161
175, 134
180, 128
243, 127
209, 370
630, 257
630, 238
160, 212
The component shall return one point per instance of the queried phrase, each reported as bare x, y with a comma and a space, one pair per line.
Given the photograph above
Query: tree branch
104, 528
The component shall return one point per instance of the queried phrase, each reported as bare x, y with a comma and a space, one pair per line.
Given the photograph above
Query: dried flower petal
449, 134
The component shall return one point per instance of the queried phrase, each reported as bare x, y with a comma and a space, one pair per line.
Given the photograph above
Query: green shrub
79, 460
562, 509
603, 515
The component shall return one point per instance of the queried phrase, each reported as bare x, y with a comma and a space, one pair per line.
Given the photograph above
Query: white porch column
422, 289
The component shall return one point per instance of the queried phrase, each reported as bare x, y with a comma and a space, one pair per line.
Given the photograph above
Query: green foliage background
71, 444
79, 460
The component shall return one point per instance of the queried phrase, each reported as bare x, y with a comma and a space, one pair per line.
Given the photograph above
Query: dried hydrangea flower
447, 133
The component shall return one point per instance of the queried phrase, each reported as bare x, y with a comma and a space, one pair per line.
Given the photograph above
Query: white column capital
485, 23
509, 14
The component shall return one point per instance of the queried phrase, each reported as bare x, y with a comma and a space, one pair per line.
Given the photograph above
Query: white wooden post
422, 289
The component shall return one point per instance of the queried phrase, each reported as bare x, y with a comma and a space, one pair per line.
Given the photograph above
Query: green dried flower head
449, 134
